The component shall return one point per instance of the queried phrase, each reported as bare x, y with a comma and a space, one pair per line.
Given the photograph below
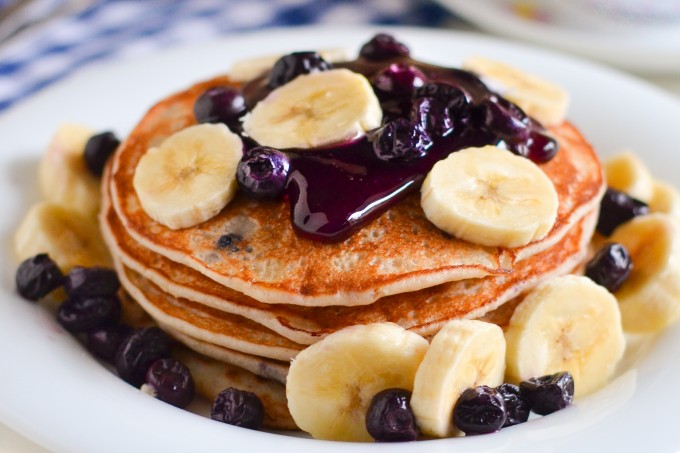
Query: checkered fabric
40, 55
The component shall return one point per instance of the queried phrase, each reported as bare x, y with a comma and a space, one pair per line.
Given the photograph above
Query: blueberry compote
447, 109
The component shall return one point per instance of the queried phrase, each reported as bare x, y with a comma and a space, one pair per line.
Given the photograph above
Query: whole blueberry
82, 314
517, 406
295, 64
104, 341
389, 417
454, 98
91, 282
617, 208
541, 147
239, 408
382, 47
433, 115
610, 266
138, 351
171, 382
98, 149
397, 80
37, 276
262, 172
550, 393
479, 410
401, 140
221, 104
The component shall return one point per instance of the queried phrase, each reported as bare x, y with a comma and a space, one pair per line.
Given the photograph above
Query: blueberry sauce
365, 185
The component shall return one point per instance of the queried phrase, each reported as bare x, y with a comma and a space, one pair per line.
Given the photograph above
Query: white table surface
12, 442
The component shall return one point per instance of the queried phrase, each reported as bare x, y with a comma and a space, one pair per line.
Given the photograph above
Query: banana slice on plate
464, 353
570, 324
650, 297
625, 172
190, 177
665, 199
315, 110
543, 100
490, 196
69, 237
63, 176
330, 384
251, 68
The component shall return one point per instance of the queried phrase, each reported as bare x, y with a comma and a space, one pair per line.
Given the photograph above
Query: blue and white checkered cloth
105, 29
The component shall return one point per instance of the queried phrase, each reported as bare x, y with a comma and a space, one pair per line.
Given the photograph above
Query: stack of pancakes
243, 289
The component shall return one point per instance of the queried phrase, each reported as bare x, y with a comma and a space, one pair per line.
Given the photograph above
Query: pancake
401, 251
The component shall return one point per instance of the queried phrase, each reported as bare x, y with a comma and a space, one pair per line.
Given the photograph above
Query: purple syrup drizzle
335, 190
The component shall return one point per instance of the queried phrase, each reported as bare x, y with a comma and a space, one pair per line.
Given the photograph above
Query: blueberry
37, 276
479, 410
401, 140
456, 101
84, 314
91, 282
610, 266
502, 119
171, 382
550, 393
517, 405
97, 151
104, 341
229, 241
541, 147
389, 417
397, 80
433, 115
239, 408
220, 104
138, 351
292, 65
262, 172
382, 47
617, 208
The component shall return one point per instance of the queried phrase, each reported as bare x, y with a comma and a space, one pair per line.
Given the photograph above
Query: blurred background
44, 41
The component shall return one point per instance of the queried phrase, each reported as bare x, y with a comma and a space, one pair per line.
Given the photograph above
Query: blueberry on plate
617, 208
82, 314
239, 408
221, 104
91, 282
170, 381
98, 149
138, 351
479, 410
389, 417
382, 47
517, 405
610, 266
104, 341
37, 276
548, 394
288, 67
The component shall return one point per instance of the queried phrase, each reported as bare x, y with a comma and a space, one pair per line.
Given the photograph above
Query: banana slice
570, 324
650, 298
251, 68
315, 110
490, 196
69, 237
665, 199
625, 172
331, 383
63, 176
464, 353
190, 177
543, 100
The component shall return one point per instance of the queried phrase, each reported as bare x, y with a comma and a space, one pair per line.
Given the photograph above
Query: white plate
54, 393
645, 51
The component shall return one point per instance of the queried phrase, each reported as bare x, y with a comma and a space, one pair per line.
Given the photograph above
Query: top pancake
401, 251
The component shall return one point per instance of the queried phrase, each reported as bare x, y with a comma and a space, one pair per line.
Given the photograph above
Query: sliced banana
63, 176
331, 383
649, 299
69, 237
543, 100
190, 177
251, 68
464, 353
315, 110
570, 324
625, 172
490, 196
665, 199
